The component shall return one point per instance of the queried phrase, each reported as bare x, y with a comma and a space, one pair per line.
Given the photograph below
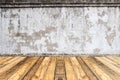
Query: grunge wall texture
84, 29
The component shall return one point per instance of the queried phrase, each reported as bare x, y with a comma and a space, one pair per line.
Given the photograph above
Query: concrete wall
82, 30
59, 1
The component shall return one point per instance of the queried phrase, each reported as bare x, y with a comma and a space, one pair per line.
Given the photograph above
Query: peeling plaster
88, 30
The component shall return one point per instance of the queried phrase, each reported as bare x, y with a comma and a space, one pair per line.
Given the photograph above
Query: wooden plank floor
60, 68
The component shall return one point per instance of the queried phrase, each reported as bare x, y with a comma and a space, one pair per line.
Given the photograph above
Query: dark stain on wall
48, 3
63, 1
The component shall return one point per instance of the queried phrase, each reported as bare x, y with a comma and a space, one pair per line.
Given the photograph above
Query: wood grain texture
70, 74
60, 68
49, 75
33, 69
23, 69
10, 64
39, 74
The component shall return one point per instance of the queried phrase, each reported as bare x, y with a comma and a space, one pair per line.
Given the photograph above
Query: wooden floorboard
60, 68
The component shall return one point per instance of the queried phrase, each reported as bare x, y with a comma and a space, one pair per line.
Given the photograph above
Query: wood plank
4, 62
49, 75
101, 75
60, 73
60, 68
117, 57
111, 61
108, 64
108, 71
86, 69
70, 74
24, 69
116, 60
39, 75
12, 64
10, 72
1, 57
4, 59
78, 69
34, 69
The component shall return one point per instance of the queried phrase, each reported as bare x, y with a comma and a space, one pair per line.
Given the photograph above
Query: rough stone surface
58, 3
85, 30
62, 1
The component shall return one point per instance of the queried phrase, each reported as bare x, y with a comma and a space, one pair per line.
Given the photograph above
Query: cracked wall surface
83, 30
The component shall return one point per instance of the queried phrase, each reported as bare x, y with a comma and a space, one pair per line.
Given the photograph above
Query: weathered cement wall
83, 30
58, 3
